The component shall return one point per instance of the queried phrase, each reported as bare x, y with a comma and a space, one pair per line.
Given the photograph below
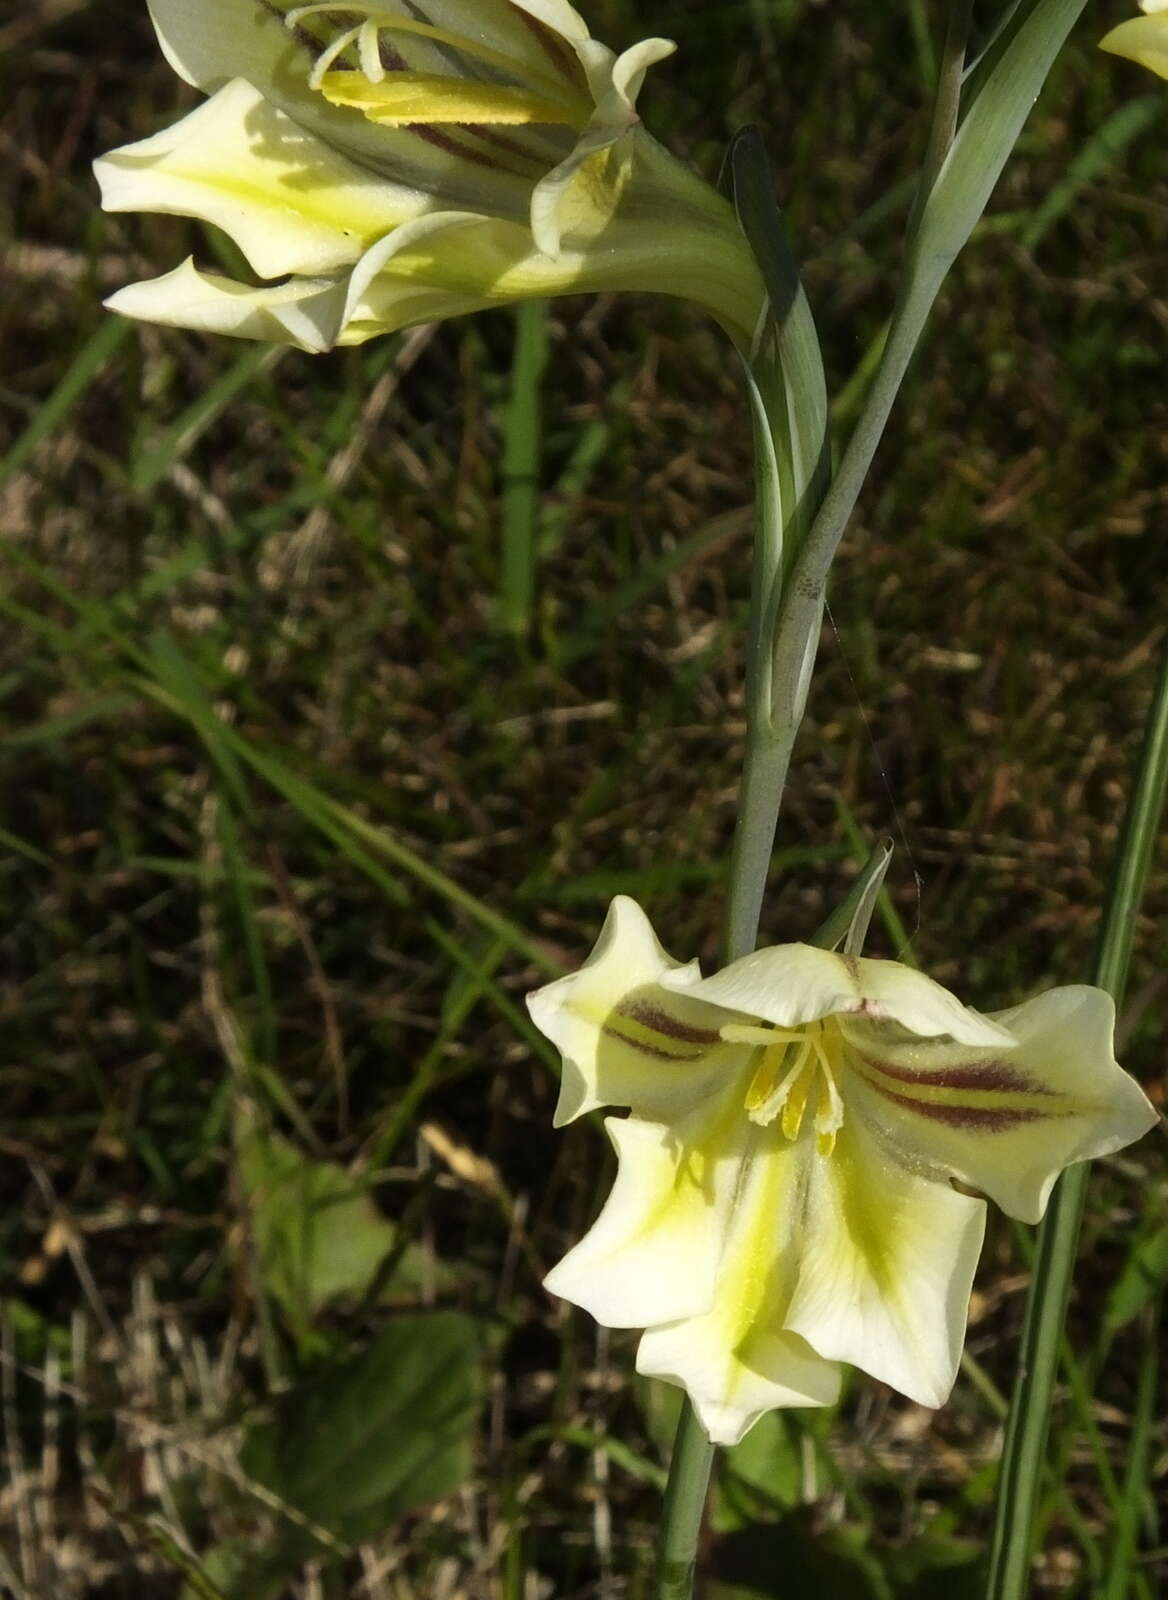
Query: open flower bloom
1143, 39
794, 1177
396, 163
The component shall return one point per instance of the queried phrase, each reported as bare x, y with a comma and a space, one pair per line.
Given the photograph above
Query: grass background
301, 797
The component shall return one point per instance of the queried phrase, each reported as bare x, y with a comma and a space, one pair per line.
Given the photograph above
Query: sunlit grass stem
1023, 1454
522, 435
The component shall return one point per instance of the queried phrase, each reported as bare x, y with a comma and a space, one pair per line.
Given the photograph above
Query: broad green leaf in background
316, 1232
379, 1434
762, 1476
796, 1557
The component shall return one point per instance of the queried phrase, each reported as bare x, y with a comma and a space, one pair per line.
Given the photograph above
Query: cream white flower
401, 162
1143, 39
794, 1175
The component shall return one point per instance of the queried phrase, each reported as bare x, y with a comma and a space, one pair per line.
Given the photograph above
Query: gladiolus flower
398, 163
799, 1173
1143, 39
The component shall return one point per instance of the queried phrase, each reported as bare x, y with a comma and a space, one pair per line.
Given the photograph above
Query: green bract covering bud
400, 163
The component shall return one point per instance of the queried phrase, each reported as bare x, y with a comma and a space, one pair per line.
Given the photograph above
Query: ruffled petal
884, 1278
739, 1359
290, 201
729, 1393
1142, 39
307, 312
652, 1255
579, 197
791, 984
1005, 1122
624, 1040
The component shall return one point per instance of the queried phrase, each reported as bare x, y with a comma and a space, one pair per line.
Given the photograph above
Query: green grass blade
1121, 1570
1023, 1454
153, 464
522, 442
86, 366
1106, 144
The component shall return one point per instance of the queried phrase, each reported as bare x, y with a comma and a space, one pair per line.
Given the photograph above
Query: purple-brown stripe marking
981, 1119
993, 1076
651, 1016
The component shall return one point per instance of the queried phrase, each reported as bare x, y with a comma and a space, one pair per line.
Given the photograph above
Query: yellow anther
810, 1057
796, 1102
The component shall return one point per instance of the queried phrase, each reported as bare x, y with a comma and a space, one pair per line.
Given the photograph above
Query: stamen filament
796, 1100
814, 1056
749, 1033
366, 35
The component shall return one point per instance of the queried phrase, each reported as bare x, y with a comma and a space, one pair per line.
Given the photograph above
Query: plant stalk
1023, 1453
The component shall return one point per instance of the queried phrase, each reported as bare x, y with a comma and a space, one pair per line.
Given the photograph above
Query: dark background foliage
267, 1092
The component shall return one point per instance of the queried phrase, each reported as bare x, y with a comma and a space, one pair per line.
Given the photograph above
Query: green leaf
998, 102
937, 1565
789, 353
316, 1231
794, 1557
1144, 1274
379, 1434
761, 1477
223, 1570
660, 1404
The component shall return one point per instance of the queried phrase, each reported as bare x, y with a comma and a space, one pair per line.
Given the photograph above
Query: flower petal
884, 1278
1004, 1122
730, 1395
739, 1359
790, 984
306, 312
214, 41
580, 195
624, 1040
652, 1255
1142, 39
291, 203
557, 15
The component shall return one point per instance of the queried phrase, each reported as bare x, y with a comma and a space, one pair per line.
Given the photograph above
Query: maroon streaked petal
988, 1075
975, 1119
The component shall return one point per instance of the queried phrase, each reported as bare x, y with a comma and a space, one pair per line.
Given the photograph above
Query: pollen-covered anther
795, 1065
385, 83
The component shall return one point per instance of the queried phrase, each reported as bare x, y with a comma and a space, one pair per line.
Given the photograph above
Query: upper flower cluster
800, 1174
402, 162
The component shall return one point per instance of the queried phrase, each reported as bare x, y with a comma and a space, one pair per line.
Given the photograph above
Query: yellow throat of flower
367, 67
798, 1067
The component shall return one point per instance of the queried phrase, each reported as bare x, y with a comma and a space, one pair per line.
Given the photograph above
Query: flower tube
398, 163
801, 1172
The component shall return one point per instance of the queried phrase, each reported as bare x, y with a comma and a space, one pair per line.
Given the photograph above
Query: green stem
522, 428
1023, 1453
958, 174
796, 541
685, 1500
790, 489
